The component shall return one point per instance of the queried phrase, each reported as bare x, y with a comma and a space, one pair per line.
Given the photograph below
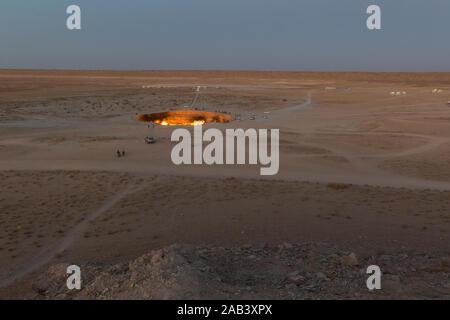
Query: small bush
338, 186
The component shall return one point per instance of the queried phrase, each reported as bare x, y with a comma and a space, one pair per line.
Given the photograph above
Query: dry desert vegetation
364, 179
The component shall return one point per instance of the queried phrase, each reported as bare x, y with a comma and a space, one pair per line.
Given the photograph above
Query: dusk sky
310, 35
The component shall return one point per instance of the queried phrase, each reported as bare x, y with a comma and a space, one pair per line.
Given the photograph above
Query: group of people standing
120, 154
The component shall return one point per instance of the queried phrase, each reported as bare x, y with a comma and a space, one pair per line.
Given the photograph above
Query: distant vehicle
149, 140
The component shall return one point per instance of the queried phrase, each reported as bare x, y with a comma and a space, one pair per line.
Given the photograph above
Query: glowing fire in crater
184, 117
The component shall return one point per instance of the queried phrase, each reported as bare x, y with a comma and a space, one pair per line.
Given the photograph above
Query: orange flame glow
184, 117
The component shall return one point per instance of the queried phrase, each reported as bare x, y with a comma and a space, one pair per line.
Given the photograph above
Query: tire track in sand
63, 243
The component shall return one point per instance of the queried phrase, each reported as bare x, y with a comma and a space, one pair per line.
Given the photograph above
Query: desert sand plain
364, 179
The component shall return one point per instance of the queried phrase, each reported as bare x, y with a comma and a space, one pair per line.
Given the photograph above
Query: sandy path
65, 242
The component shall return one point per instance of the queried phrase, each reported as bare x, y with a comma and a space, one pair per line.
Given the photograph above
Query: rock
52, 280
290, 286
309, 288
295, 277
293, 274
331, 274
307, 271
62, 296
321, 275
350, 260
287, 245
296, 280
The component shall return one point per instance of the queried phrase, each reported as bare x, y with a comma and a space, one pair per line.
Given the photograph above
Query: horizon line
208, 70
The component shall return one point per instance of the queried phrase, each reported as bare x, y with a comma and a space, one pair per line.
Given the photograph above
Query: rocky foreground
288, 271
